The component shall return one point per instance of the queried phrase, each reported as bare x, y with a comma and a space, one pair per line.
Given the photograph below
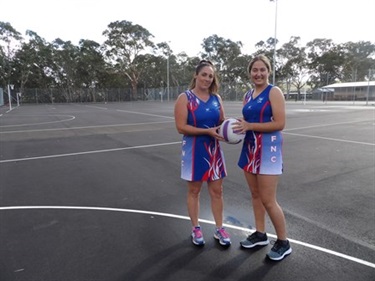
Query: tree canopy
130, 59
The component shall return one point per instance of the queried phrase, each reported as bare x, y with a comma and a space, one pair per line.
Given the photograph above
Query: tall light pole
168, 76
368, 86
169, 52
9, 96
274, 45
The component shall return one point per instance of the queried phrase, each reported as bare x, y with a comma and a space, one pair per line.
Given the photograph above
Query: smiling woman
198, 114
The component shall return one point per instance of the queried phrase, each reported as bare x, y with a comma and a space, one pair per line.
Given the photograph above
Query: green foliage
130, 59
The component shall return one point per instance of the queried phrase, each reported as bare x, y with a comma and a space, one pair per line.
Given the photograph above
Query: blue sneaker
223, 237
197, 236
279, 250
255, 239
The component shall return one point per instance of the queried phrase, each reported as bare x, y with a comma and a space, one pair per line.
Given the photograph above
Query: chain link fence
228, 92
35, 96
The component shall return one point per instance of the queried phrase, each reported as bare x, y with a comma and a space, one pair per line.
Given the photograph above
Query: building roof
351, 84
321, 90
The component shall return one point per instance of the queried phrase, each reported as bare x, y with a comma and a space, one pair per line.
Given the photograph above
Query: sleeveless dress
202, 158
261, 152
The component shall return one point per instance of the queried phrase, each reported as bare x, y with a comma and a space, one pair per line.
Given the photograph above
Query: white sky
185, 26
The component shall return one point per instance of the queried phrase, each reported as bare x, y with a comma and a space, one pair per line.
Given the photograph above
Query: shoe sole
222, 243
197, 243
263, 243
288, 252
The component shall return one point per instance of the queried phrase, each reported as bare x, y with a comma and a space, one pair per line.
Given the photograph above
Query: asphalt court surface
93, 192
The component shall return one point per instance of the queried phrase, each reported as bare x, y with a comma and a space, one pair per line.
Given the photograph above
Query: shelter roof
351, 84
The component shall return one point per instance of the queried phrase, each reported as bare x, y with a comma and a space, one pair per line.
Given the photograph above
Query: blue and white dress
261, 152
202, 158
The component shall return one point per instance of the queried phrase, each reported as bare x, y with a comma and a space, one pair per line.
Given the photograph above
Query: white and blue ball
227, 132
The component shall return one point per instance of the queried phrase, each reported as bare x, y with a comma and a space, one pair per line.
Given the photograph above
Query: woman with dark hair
198, 114
261, 156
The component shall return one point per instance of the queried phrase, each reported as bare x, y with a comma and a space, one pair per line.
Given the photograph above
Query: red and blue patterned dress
202, 158
261, 152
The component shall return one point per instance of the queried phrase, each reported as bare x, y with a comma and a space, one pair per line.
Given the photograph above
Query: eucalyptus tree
358, 57
32, 61
3, 72
182, 70
242, 63
64, 69
154, 74
224, 53
324, 62
153, 80
293, 71
92, 71
160, 67
10, 40
125, 43
230, 63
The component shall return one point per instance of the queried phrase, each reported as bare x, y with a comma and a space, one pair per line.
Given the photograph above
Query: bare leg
215, 190
194, 189
258, 208
267, 185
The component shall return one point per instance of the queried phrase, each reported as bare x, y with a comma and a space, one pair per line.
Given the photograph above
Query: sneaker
255, 239
197, 236
279, 250
223, 237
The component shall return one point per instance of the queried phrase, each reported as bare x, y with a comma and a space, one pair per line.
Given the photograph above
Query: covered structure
350, 91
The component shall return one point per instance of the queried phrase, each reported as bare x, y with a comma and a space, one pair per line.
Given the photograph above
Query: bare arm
181, 115
278, 119
222, 113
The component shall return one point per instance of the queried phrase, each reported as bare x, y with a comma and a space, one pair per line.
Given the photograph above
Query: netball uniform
261, 152
202, 158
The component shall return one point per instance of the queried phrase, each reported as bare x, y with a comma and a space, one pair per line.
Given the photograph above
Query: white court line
9, 110
332, 139
326, 125
287, 132
134, 112
97, 107
150, 145
321, 249
88, 152
71, 117
142, 113
83, 127
153, 145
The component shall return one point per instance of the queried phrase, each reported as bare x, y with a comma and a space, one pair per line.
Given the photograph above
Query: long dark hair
214, 87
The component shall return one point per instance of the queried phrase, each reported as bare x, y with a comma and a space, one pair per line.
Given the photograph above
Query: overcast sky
184, 24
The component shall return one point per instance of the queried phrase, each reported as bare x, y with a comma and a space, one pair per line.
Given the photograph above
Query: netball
229, 135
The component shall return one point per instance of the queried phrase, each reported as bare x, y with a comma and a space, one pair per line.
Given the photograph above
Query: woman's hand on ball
241, 126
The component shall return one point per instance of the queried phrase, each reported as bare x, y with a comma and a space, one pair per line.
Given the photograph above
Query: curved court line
84, 127
71, 117
321, 249
88, 152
